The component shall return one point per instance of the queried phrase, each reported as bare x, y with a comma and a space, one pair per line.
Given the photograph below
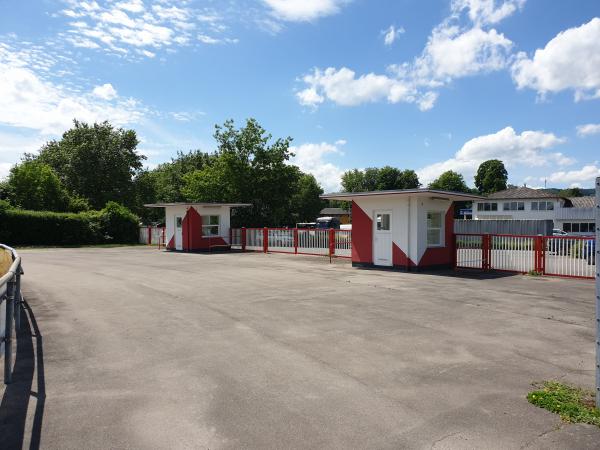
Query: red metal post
331, 242
454, 251
149, 235
539, 254
296, 240
243, 238
486, 251
265, 239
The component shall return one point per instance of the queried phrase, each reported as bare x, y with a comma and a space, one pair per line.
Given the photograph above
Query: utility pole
597, 261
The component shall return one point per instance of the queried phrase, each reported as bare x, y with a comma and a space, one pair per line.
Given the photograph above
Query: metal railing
10, 310
563, 256
298, 241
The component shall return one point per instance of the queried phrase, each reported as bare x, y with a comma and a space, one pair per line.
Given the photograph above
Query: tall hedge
113, 224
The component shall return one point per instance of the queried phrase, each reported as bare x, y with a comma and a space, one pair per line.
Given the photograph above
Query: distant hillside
583, 191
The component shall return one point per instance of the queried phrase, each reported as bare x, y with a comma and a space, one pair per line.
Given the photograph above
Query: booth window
210, 225
383, 222
434, 229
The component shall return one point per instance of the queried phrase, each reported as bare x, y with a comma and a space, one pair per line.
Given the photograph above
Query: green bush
113, 224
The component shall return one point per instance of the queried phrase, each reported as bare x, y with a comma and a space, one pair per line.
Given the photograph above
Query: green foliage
491, 176
113, 224
118, 224
249, 167
36, 186
571, 403
450, 181
379, 179
306, 199
571, 192
96, 162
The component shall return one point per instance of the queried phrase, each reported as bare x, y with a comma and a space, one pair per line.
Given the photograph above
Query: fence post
149, 235
243, 238
10, 303
265, 239
486, 251
18, 300
597, 261
540, 249
296, 241
454, 252
331, 242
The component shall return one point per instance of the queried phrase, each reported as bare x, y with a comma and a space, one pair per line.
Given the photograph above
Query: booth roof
162, 205
446, 195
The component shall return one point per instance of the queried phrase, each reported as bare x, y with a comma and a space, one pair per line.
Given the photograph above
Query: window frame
441, 229
211, 225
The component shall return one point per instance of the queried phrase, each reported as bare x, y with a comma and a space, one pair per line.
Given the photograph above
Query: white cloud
452, 51
525, 149
569, 61
391, 34
303, 10
588, 129
30, 99
487, 11
129, 29
311, 158
106, 91
586, 173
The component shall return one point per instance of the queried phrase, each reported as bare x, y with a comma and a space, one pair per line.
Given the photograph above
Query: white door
382, 238
178, 233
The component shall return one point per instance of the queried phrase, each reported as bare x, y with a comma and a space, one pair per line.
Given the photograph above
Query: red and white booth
403, 229
197, 226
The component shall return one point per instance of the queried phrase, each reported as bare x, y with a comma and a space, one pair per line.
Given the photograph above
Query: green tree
571, 192
450, 181
33, 185
96, 162
491, 176
379, 179
249, 167
306, 203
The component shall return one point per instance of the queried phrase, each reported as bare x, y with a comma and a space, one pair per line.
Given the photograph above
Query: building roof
334, 211
583, 202
162, 205
446, 195
521, 193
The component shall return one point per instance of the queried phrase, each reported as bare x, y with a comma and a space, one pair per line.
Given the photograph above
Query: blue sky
430, 86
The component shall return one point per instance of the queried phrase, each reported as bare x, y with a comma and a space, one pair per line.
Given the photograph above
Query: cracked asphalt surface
148, 349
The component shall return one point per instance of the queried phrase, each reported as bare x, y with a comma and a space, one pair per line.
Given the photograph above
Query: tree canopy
250, 167
491, 176
96, 162
379, 179
571, 192
450, 181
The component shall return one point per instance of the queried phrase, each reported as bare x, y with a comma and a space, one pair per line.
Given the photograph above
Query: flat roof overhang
207, 204
431, 193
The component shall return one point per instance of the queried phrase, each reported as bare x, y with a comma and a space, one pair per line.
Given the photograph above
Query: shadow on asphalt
15, 402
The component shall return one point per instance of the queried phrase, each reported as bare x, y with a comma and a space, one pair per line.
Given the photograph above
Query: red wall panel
362, 235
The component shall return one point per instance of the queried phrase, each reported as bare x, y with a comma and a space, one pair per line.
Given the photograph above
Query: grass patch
571, 403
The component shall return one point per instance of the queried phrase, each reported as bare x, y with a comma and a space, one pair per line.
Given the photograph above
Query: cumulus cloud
452, 51
106, 91
525, 149
312, 158
569, 61
585, 174
588, 129
487, 11
391, 34
303, 10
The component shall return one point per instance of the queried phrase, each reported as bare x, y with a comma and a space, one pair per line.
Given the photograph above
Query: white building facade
573, 215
